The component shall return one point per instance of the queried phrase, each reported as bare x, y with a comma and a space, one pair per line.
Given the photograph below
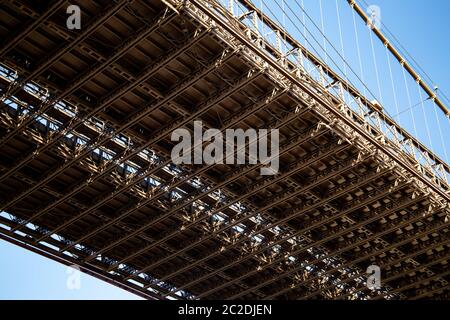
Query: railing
250, 25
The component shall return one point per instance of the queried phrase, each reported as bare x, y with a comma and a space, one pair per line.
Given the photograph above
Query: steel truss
304, 233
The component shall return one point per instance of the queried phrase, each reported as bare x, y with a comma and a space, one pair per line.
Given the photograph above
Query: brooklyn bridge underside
87, 179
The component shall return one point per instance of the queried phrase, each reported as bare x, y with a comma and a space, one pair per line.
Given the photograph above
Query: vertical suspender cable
304, 24
394, 91
322, 26
340, 37
376, 67
427, 128
441, 136
358, 49
409, 102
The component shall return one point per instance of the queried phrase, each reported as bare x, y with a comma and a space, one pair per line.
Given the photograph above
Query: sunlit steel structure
87, 179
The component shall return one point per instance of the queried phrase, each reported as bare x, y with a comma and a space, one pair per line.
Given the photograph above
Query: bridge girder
304, 199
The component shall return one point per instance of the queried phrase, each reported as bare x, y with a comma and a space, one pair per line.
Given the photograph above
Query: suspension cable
318, 62
431, 93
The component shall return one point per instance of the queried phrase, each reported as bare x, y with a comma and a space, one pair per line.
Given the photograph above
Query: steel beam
256, 230
150, 70
394, 262
323, 98
96, 22
157, 137
77, 122
337, 79
230, 178
167, 188
22, 34
295, 212
385, 213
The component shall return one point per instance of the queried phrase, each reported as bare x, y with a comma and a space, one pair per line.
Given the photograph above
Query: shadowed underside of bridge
86, 176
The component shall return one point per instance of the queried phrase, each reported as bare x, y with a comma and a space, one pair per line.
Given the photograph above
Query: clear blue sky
27, 275
420, 25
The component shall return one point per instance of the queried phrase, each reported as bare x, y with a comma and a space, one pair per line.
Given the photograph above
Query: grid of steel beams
87, 179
